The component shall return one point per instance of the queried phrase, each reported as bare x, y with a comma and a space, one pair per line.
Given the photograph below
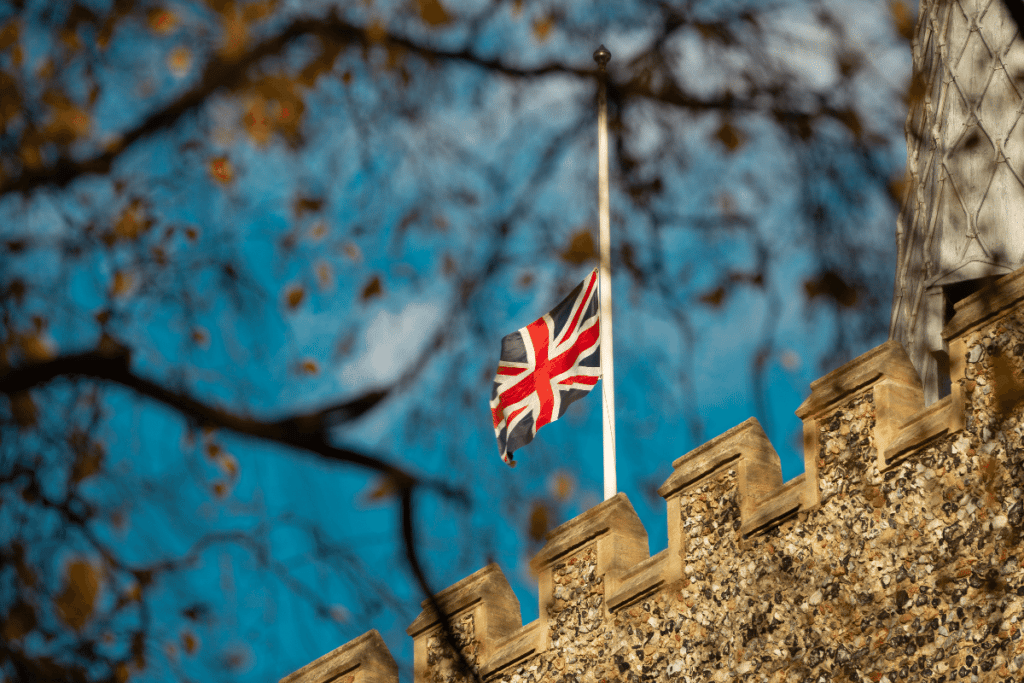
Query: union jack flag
544, 367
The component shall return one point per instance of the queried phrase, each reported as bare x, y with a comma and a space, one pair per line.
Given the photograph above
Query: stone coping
930, 423
514, 648
779, 506
615, 515
487, 586
985, 304
886, 360
366, 655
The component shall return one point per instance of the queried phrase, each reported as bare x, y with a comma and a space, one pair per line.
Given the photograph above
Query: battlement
893, 555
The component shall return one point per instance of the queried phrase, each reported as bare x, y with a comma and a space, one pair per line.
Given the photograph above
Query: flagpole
601, 56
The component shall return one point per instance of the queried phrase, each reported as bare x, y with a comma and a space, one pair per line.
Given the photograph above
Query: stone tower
962, 222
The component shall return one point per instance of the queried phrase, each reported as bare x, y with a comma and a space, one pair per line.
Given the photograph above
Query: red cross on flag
544, 367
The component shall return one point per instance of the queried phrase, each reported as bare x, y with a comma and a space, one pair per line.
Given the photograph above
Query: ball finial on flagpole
601, 56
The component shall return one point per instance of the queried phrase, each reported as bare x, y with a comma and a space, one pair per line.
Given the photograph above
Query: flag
544, 367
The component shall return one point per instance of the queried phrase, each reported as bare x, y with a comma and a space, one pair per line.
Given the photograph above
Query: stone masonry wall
895, 557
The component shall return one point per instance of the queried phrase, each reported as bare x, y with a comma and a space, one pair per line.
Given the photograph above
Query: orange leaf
76, 603
36, 347
20, 621
220, 489
235, 36
580, 249
318, 231
376, 32
433, 12
730, 136
162, 21
189, 642
542, 28
220, 169
133, 221
540, 520
24, 409
309, 367
385, 487
902, 18
294, 296
123, 284
324, 275
179, 61
562, 486
353, 252
229, 464
88, 457
713, 298
201, 337
372, 289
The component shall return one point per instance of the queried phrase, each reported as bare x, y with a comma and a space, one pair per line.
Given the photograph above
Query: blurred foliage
206, 205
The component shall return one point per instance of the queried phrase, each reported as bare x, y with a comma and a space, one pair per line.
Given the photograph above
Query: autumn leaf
189, 642
309, 367
220, 489
713, 298
830, 285
353, 252
376, 31
20, 621
318, 231
433, 12
580, 249
293, 296
191, 234
123, 284
539, 521
162, 21
220, 169
385, 487
213, 450
235, 34
24, 410
179, 61
229, 464
902, 19
302, 205
36, 347
200, 337
561, 486
731, 137
324, 275
133, 221
77, 601
372, 289
88, 456
542, 28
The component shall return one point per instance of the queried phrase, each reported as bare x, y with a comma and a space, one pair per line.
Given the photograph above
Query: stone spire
962, 222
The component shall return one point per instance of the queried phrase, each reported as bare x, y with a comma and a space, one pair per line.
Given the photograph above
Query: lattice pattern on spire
964, 197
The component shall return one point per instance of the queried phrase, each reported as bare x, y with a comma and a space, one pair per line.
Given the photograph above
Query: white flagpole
601, 56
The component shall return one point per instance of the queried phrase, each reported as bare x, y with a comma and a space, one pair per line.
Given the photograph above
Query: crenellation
897, 557
483, 606
883, 373
365, 659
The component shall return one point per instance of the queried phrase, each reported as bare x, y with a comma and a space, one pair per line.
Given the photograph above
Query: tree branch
306, 431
